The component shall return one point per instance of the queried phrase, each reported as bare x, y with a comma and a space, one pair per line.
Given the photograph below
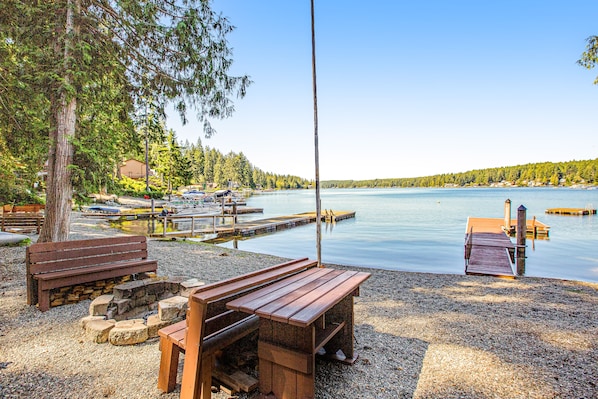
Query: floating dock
534, 228
571, 211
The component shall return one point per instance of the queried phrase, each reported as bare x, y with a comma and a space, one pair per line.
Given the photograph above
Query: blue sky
408, 88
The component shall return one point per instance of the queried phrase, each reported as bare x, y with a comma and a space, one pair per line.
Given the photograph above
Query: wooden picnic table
303, 315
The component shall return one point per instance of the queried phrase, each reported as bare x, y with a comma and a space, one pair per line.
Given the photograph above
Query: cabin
133, 168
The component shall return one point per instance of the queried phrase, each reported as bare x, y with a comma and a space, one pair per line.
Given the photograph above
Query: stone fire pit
136, 310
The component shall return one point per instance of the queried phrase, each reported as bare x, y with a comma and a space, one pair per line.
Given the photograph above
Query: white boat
194, 207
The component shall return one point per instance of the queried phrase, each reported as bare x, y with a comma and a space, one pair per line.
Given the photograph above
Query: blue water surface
423, 229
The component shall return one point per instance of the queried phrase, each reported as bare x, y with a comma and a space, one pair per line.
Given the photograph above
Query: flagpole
317, 155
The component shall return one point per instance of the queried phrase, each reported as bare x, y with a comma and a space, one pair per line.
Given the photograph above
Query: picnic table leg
190, 384
343, 340
284, 349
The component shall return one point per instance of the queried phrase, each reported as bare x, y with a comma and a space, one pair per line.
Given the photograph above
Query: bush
136, 188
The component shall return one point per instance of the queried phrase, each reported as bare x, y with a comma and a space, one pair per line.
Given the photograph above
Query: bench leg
205, 384
191, 381
44, 299
169, 363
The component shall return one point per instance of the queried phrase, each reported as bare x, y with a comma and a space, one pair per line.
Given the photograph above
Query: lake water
423, 229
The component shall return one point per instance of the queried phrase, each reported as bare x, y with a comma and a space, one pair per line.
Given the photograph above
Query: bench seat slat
81, 271
85, 275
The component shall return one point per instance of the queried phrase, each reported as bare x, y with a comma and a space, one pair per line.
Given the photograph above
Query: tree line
182, 164
533, 174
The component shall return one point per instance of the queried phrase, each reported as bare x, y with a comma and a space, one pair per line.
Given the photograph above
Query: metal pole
317, 155
146, 152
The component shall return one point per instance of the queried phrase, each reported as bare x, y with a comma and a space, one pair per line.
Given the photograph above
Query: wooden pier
488, 250
269, 225
230, 227
571, 211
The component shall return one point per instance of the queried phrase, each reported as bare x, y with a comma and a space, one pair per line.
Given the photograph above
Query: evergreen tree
173, 52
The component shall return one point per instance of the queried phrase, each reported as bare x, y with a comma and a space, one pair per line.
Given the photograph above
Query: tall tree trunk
59, 192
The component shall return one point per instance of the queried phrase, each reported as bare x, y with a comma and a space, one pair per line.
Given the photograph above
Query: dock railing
214, 228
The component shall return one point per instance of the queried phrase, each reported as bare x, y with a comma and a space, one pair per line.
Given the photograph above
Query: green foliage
136, 188
589, 58
537, 174
234, 170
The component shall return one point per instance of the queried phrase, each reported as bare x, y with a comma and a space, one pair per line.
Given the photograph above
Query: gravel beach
418, 335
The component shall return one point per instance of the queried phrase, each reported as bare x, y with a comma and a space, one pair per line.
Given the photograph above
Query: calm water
423, 229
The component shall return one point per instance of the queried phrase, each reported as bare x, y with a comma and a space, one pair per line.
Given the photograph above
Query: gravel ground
418, 335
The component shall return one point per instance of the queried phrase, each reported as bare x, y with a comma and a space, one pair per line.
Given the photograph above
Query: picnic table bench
210, 327
61, 264
21, 222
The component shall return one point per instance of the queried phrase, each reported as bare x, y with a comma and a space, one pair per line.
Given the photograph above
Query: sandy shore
418, 335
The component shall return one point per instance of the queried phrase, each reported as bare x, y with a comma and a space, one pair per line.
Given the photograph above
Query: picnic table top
302, 298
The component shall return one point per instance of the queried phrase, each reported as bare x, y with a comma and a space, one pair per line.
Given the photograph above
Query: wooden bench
210, 327
23, 208
21, 222
61, 264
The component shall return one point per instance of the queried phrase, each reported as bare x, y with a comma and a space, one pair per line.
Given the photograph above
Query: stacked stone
81, 292
115, 318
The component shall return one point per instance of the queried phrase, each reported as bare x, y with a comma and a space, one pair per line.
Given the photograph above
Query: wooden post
521, 231
508, 215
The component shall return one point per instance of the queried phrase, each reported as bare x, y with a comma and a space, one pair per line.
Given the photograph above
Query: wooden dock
488, 250
269, 225
571, 211
249, 228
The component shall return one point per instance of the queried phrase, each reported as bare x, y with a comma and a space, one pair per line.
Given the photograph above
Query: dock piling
507, 214
521, 234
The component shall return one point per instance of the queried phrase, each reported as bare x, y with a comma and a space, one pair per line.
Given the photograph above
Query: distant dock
571, 211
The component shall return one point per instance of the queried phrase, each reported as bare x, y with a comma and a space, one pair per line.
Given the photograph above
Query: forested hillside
535, 174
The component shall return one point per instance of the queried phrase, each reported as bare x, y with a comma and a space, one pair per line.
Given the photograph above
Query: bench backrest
215, 296
22, 217
53, 256
23, 208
